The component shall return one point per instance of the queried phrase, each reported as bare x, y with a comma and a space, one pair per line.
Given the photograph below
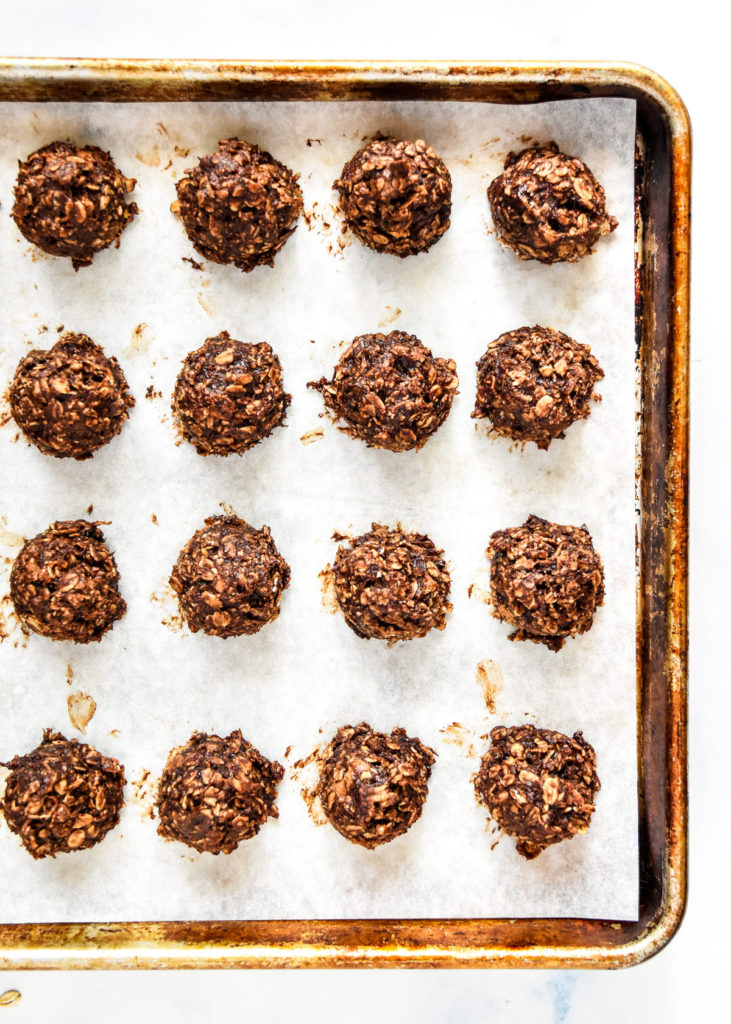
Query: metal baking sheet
474, 933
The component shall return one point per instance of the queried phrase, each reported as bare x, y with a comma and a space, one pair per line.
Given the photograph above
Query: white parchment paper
290, 687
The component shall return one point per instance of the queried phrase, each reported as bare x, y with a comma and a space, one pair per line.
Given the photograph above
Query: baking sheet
293, 684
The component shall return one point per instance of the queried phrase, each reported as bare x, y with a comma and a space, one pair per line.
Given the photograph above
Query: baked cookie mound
63, 796
392, 585
239, 205
372, 786
64, 583
71, 399
229, 578
534, 382
71, 201
229, 395
390, 390
215, 792
538, 785
548, 206
546, 580
396, 196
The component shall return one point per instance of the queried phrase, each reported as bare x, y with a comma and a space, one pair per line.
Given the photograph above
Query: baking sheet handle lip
223, 953
623, 75
267, 956
673, 902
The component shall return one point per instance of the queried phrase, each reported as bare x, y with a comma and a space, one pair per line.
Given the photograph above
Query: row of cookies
388, 390
239, 205
546, 580
217, 792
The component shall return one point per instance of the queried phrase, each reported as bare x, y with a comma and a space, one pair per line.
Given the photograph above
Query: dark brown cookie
229, 578
390, 390
215, 792
239, 205
229, 395
372, 786
534, 382
548, 206
71, 201
64, 583
396, 196
63, 796
391, 585
70, 399
547, 580
538, 785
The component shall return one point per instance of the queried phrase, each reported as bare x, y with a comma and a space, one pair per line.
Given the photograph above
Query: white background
687, 46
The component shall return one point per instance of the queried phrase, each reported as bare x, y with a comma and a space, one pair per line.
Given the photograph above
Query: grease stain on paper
327, 586
172, 616
149, 157
10, 624
390, 316
307, 772
461, 737
312, 435
140, 341
489, 677
144, 789
8, 538
82, 708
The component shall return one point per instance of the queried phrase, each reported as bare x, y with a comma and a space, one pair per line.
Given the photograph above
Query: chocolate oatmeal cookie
71, 201
548, 206
390, 390
71, 399
239, 205
538, 785
229, 395
216, 792
392, 585
229, 578
546, 580
63, 796
64, 583
396, 196
372, 786
534, 382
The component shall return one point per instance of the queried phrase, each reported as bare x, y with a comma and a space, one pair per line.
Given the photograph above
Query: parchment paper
290, 687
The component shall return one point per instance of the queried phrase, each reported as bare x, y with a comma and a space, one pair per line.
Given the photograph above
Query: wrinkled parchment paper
289, 687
